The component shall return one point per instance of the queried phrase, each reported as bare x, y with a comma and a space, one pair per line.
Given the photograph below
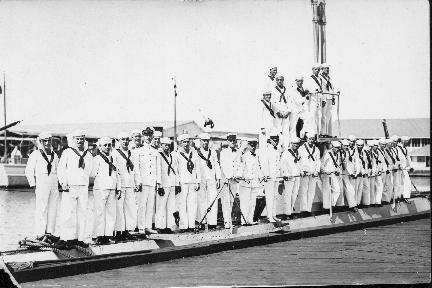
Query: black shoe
110, 240
212, 227
60, 244
82, 244
70, 244
140, 236
354, 209
128, 236
136, 229
176, 218
183, 230
100, 240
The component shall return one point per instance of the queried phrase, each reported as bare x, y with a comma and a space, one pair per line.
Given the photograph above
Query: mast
175, 112
319, 31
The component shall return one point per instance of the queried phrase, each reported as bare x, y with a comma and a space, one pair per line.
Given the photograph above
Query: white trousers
165, 206
358, 189
348, 188
146, 202
398, 185
228, 201
372, 189
46, 204
205, 197
186, 201
247, 197
293, 119
270, 188
105, 208
330, 188
307, 192
126, 215
73, 213
379, 187
326, 119
366, 193
406, 185
290, 194
388, 187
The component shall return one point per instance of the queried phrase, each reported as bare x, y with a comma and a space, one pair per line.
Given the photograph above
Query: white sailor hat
299, 78
231, 136
123, 135
405, 138
325, 65
273, 68
204, 136
316, 65
267, 92
389, 141
157, 134
310, 134
104, 140
394, 138
382, 141
78, 132
336, 144
45, 135
359, 142
243, 138
252, 140
345, 142
280, 77
135, 132
183, 137
165, 140
295, 140
352, 138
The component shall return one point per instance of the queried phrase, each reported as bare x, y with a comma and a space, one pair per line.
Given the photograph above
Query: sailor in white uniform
73, 172
136, 139
298, 98
379, 170
210, 182
229, 163
269, 159
269, 83
290, 170
388, 176
314, 85
250, 176
281, 105
268, 115
397, 171
328, 100
310, 167
348, 173
406, 167
190, 178
126, 215
106, 189
330, 175
147, 167
41, 172
165, 198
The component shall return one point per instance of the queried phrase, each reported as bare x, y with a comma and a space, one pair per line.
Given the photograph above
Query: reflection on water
17, 208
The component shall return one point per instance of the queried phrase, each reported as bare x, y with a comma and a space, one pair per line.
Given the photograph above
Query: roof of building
423, 151
95, 130
373, 128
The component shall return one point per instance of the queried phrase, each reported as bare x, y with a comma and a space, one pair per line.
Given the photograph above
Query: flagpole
4, 112
175, 113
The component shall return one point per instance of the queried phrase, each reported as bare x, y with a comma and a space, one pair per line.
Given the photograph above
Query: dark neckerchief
129, 164
49, 162
404, 150
81, 163
207, 160
333, 159
266, 105
316, 81
390, 153
382, 153
189, 165
328, 84
282, 96
308, 151
396, 153
350, 155
376, 157
361, 157
233, 149
169, 163
109, 162
295, 155
368, 157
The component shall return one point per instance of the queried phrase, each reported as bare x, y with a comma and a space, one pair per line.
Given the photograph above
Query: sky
113, 61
